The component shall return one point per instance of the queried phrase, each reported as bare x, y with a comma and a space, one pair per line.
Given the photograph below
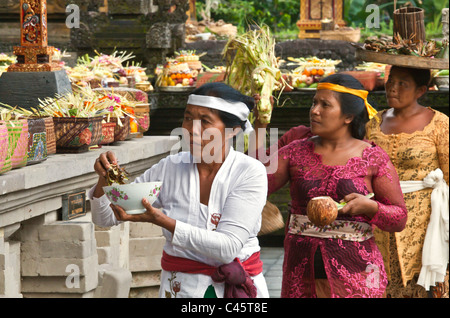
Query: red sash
253, 265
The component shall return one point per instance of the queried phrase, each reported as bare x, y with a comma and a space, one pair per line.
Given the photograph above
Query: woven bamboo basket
409, 23
272, 220
129, 93
341, 35
18, 142
142, 113
51, 139
121, 132
37, 141
5, 161
107, 133
77, 134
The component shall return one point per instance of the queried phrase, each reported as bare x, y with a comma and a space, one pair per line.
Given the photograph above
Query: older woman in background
417, 141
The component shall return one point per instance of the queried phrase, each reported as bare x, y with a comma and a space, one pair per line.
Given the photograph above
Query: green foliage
355, 15
280, 15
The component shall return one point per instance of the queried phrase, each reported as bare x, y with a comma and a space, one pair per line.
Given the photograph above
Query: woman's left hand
359, 204
151, 215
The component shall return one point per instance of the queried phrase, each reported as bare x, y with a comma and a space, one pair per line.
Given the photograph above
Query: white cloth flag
435, 252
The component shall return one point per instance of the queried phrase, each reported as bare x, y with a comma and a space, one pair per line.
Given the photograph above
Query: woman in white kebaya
210, 202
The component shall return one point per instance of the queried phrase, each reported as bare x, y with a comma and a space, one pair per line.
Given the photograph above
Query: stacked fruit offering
177, 74
181, 71
311, 70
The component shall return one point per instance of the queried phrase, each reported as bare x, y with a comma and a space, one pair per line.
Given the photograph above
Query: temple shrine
33, 54
313, 12
34, 76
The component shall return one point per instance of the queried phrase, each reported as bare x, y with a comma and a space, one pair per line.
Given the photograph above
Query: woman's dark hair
351, 104
422, 77
230, 94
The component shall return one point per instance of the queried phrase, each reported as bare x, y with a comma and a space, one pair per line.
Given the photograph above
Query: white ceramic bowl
129, 196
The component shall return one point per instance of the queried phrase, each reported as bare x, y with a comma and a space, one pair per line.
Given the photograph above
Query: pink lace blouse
354, 269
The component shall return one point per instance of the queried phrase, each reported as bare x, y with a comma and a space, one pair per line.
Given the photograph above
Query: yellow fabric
357, 92
414, 156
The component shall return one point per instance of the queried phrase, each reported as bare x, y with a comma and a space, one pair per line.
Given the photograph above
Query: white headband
238, 109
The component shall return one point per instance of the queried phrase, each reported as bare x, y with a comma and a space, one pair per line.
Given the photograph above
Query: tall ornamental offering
33, 54
35, 76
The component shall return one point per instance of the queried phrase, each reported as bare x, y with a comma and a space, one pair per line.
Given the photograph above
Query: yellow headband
357, 92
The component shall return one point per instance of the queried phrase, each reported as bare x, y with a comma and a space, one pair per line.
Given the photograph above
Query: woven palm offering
5, 164
17, 137
132, 94
107, 133
130, 102
37, 141
77, 134
18, 142
142, 112
78, 117
31, 115
51, 139
122, 129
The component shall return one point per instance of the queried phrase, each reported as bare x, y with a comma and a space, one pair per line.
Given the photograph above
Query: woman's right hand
103, 163
101, 166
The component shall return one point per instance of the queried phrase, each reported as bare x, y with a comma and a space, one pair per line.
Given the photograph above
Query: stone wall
151, 29
42, 255
336, 50
145, 248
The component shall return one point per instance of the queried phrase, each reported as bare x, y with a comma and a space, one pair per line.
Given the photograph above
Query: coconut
322, 211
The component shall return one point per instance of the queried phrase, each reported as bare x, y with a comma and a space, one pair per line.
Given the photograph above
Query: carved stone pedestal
25, 88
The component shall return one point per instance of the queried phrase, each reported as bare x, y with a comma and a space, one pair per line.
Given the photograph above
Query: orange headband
357, 92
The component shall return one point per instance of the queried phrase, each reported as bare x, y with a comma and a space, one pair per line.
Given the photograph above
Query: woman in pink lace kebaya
342, 259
